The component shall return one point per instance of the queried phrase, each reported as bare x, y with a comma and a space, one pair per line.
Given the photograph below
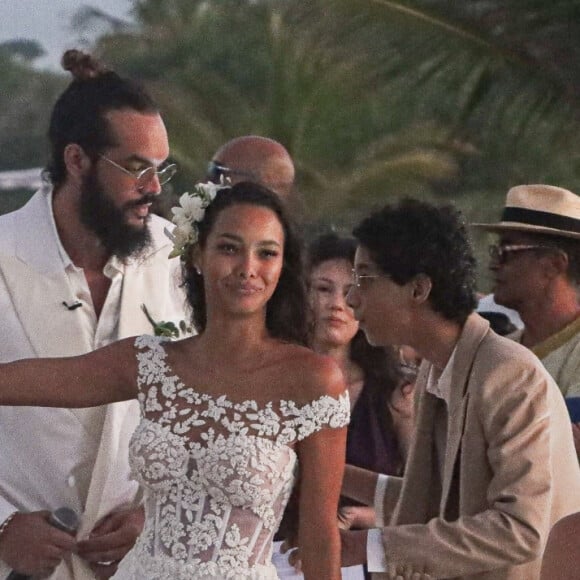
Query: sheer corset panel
216, 474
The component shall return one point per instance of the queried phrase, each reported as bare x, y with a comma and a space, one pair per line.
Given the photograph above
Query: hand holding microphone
64, 519
28, 546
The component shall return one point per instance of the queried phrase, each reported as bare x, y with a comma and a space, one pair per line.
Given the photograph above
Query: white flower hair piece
188, 214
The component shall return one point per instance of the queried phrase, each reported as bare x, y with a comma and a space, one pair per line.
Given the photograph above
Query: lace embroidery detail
217, 474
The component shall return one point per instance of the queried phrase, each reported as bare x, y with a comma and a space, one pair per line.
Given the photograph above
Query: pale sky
49, 23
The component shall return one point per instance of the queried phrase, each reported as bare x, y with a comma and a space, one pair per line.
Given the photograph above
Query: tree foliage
373, 98
26, 99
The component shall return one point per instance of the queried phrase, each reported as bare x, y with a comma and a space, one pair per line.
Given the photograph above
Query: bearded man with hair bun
77, 263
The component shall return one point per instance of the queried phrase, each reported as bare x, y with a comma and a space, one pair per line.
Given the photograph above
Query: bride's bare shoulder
313, 375
183, 346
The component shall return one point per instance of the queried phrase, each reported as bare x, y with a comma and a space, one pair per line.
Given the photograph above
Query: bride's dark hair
286, 312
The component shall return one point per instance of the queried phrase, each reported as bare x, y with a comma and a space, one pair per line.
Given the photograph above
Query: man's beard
99, 213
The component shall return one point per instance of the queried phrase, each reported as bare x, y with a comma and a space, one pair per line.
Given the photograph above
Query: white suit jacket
40, 446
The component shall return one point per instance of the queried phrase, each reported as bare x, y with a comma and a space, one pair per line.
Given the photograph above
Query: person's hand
359, 517
402, 404
110, 540
345, 518
290, 547
353, 547
576, 434
30, 545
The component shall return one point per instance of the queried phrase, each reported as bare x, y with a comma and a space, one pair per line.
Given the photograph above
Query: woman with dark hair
371, 373
225, 414
376, 385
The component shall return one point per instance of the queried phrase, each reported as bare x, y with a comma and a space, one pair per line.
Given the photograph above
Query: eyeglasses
144, 176
499, 253
215, 170
357, 279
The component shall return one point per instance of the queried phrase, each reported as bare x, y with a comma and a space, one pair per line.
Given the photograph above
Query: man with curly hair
492, 464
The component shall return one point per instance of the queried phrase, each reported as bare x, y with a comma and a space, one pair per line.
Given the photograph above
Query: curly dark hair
78, 115
286, 312
414, 237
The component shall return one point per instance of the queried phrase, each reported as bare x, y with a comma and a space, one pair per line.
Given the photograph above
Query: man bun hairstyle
79, 113
81, 65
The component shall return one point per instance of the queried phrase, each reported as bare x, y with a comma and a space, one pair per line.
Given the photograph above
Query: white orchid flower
191, 209
210, 189
188, 214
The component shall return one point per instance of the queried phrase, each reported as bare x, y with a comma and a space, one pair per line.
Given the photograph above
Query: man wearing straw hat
536, 270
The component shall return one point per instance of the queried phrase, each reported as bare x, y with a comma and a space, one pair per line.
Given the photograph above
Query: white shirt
49, 454
98, 332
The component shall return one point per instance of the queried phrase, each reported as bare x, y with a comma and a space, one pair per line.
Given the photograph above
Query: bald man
257, 159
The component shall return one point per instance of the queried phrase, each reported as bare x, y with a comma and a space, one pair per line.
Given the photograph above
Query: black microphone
64, 519
72, 306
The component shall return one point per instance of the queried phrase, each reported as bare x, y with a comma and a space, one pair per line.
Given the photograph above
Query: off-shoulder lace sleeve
326, 411
148, 341
216, 473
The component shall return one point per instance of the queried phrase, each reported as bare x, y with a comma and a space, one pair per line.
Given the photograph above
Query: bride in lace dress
227, 415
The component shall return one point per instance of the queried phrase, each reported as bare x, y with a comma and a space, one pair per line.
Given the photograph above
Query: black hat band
540, 218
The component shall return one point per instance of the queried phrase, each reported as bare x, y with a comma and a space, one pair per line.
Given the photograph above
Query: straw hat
539, 209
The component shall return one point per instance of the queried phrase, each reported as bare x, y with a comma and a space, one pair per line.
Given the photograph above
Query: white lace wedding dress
216, 475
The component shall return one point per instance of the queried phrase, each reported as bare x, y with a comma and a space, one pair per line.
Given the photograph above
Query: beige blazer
509, 472
38, 454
